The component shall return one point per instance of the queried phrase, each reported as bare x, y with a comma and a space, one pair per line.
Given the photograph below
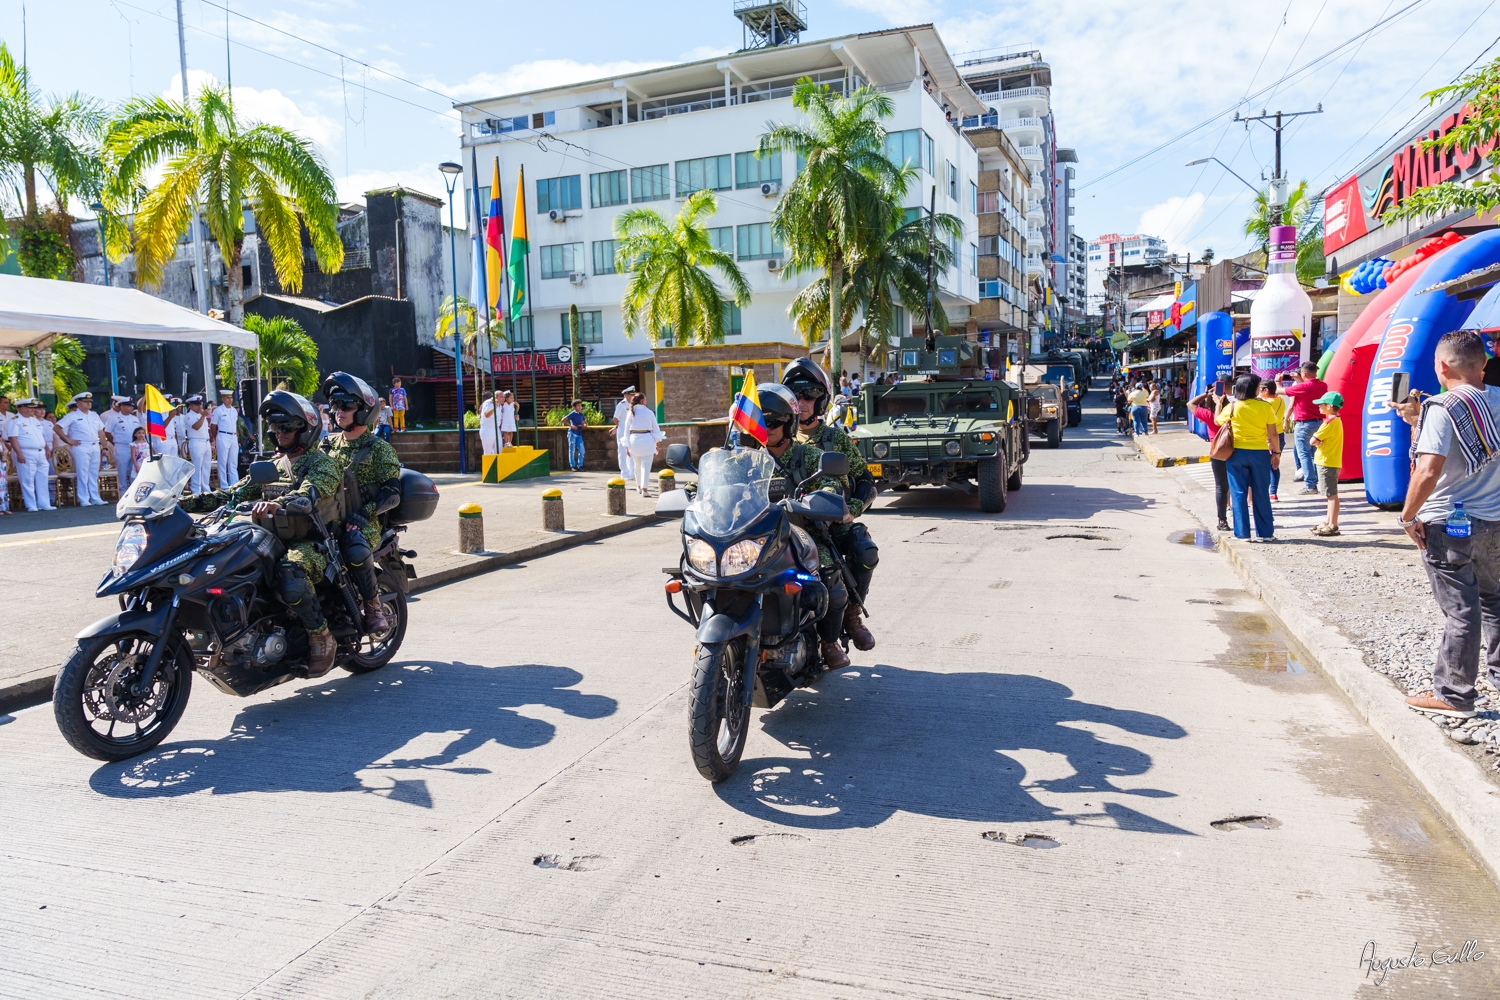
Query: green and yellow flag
520, 246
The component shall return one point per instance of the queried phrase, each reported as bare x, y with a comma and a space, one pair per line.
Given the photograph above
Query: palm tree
836, 208
54, 138
473, 323
213, 162
287, 354
1300, 211
671, 290
892, 272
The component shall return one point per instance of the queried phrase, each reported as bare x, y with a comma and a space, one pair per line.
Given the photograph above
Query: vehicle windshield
895, 404
971, 401
1047, 392
157, 489
734, 488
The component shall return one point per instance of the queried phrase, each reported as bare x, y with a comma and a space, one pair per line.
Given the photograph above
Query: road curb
1153, 455
1457, 785
25, 692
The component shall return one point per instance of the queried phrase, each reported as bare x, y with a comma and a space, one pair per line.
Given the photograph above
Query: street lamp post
451, 174
114, 362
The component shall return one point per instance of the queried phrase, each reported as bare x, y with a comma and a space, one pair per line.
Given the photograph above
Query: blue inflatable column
1215, 358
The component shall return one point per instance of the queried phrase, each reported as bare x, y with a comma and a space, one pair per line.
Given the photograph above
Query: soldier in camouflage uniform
377, 471
308, 477
810, 385
795, 462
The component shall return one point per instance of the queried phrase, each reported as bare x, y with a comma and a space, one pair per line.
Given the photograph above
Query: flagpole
481, 270
516, 320
504, 290
536, 424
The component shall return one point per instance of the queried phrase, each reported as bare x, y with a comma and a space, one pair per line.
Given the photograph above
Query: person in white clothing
622, 420
508, 410
31, 443
489, 422
120, 422
224, 434
84, 433
171, 443
5, 420
642, 437
200, 444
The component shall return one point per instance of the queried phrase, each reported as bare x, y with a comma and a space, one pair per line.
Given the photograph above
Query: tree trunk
235, 275
835, 316
30, 172
46, 387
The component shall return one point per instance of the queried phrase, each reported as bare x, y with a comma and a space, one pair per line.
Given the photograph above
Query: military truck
1048, 410
945, 423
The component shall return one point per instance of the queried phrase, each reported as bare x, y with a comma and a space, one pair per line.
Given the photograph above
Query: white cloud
1172, 219
426, 179
538, 74
896, 11
269, 106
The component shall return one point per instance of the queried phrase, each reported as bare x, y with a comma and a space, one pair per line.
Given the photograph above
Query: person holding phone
1305, 420
1257, 450
1207, 408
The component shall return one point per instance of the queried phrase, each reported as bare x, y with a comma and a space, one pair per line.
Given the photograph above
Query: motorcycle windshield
157, 489
734, 488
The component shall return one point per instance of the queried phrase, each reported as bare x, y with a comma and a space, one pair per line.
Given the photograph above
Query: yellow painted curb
1156, 458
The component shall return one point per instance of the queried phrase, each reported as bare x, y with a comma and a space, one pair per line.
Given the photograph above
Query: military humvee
945, 423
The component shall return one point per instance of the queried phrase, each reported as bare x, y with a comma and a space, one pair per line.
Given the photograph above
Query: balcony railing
1020, 123
1015, 93
1031, 152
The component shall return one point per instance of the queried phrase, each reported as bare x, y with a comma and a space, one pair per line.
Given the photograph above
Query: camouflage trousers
306, 557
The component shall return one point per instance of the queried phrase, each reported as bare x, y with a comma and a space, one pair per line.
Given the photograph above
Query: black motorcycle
199, 596
749, 577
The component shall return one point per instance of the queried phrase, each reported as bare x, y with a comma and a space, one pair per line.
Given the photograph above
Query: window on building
604, 256
756, 242
609, 188
561, 259
651, 183
929, 157
732, 320
988, 202
707, 173
521, 334
751, 171
562, 194
973, 259
723, 238
542, 119
898, 317
973, 198
590, 328
910, 215
952, 181
911, 148
989, 246
989, 288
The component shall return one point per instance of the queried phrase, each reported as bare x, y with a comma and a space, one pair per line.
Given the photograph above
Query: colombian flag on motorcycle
745, 413
157, 408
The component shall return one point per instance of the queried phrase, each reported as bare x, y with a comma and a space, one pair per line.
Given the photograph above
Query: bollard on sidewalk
666, 480
616, 494
552, 510
471, 528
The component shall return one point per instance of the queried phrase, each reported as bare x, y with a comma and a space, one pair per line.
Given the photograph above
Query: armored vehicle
1048, 410
945, 423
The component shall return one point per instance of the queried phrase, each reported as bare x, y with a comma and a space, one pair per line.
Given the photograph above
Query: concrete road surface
1021, 792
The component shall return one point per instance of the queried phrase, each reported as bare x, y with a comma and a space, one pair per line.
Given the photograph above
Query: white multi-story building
592, 150
1113, 250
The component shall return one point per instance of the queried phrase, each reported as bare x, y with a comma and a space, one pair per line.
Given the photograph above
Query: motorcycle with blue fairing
748, 576
197, 596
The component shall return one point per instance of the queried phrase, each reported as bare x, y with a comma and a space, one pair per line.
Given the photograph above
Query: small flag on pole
493, 253
745, 413
157, 409
520, 246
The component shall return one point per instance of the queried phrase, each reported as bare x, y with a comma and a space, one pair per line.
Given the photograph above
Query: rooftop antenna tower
768, 23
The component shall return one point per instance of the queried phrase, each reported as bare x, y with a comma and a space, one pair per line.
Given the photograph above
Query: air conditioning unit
557, 215
577, 277
770, 189
774, 264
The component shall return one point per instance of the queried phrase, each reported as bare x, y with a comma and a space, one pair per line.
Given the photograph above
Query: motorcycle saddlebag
419, 498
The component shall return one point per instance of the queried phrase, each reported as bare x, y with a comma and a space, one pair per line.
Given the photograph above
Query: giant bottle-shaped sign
1281, 315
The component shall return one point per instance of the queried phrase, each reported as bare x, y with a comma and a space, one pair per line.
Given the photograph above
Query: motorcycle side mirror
833, 463
680, 458
673, 502
262, 473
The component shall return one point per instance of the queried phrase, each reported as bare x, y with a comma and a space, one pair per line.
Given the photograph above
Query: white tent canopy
34, 309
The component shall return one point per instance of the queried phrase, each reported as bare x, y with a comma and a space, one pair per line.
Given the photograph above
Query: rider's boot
321, 650
854, 627
376, 619
834, 657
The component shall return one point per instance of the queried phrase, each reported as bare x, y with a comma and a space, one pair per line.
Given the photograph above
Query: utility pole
202, 272
1277, 200
931, 344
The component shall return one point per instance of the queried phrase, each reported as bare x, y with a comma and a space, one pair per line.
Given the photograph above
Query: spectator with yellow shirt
1328, 457
1257, 450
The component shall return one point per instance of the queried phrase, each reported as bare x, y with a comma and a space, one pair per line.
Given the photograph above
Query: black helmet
288, 411
342, 389
777, 405
808, 380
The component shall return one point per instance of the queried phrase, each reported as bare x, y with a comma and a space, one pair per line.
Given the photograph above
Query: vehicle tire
1014, 481
900, 487
1054, 434
376, 650
1074, 419
91, 695
990, 477
718, 718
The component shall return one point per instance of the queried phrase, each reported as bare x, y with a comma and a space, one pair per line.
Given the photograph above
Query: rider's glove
297, 505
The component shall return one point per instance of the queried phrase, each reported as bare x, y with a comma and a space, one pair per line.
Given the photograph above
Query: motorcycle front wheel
719, 719
95, 708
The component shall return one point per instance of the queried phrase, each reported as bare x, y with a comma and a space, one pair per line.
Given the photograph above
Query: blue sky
1126, 76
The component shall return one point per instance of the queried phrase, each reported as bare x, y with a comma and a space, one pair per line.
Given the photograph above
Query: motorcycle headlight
129, 548
881, 449
701, 557
952, 447
741, 557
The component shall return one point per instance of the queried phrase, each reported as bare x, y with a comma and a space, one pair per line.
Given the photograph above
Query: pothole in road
1246, 823
1039, 841
583, 863
1084, 537
746, 839
1198, 538
1260, 644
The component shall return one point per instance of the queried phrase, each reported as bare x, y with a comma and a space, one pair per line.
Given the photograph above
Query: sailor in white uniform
84, 433
120, 422
224, 425
31, 439
199, 441
622, 433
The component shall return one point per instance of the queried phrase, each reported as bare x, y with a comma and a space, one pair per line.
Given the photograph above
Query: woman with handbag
1208, 408
1249, 442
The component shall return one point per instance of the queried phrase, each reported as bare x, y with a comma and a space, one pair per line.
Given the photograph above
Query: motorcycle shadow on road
324, 735
867, 743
